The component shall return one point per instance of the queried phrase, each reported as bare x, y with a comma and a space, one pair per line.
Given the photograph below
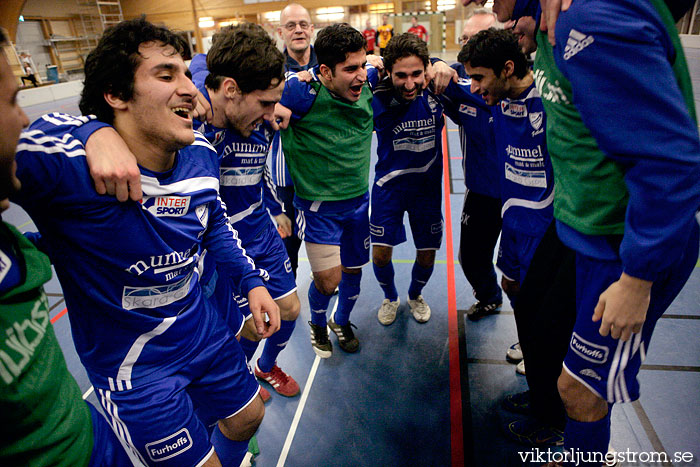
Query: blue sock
588, 440
318, 304
230, 452
348, 291
249, 347
275, 344
419, 277
385, 277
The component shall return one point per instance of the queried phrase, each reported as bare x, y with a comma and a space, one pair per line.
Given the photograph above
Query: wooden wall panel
9, 14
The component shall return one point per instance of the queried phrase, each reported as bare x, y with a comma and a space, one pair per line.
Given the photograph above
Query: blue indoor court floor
429, 394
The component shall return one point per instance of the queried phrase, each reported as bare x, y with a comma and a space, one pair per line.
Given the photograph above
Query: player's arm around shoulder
44, 165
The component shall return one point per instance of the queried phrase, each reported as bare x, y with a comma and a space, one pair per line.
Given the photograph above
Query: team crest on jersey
218, 137
166, 206
202, 214
513, 109
5, 265
171, 446
467, 109
588, 350
432, 103
464, 81
312, 91
536, 119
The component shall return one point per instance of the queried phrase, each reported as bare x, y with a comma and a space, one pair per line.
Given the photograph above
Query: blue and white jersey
280, 172
476, 135
129, 270
409, 138
645, 125
244, 177
527, 180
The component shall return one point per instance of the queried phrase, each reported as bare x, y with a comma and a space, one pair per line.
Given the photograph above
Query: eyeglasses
292, 26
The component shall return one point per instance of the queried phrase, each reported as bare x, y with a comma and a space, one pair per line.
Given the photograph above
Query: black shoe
346, 338
479, 310
533, 433
517, 403
320, 342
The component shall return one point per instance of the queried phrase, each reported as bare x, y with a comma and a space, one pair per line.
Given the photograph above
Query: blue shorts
605, 365
165, 422
343, 223
424, 210
268, 252
224, 298
515, 252
107, 451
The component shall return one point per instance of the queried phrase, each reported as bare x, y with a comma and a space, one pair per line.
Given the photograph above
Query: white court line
302, 404
88, 392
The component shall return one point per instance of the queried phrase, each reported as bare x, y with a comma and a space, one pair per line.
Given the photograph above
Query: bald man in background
296, 30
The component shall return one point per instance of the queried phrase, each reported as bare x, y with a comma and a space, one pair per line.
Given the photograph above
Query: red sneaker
265, 395
279, 380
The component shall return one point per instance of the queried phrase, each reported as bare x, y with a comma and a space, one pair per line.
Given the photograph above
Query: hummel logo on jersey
166, 206
467, 109
577, 42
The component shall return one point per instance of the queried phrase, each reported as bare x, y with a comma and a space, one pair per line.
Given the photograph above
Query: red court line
456, 434
59, 315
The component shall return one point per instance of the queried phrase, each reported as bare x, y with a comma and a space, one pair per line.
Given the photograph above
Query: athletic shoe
517, 403
320, 342
279, 380
479, 310
265, 394
419, 309
346, 338
533, 433
387, 312
514, 354
520, 367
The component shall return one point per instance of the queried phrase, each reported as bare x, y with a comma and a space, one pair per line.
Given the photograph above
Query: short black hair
492, 48
246, 53
111, 65
335, 42
405, 45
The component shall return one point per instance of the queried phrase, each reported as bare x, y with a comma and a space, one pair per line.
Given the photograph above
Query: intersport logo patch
166, 206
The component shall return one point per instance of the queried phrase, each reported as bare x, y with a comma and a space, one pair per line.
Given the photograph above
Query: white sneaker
387, 312
419, 309
514, 354
520, 367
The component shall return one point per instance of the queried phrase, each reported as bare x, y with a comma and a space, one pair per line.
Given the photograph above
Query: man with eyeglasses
296, 30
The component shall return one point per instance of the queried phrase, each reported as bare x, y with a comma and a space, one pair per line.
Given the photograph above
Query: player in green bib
327, 146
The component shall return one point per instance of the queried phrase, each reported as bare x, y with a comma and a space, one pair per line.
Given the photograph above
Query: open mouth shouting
184, 112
